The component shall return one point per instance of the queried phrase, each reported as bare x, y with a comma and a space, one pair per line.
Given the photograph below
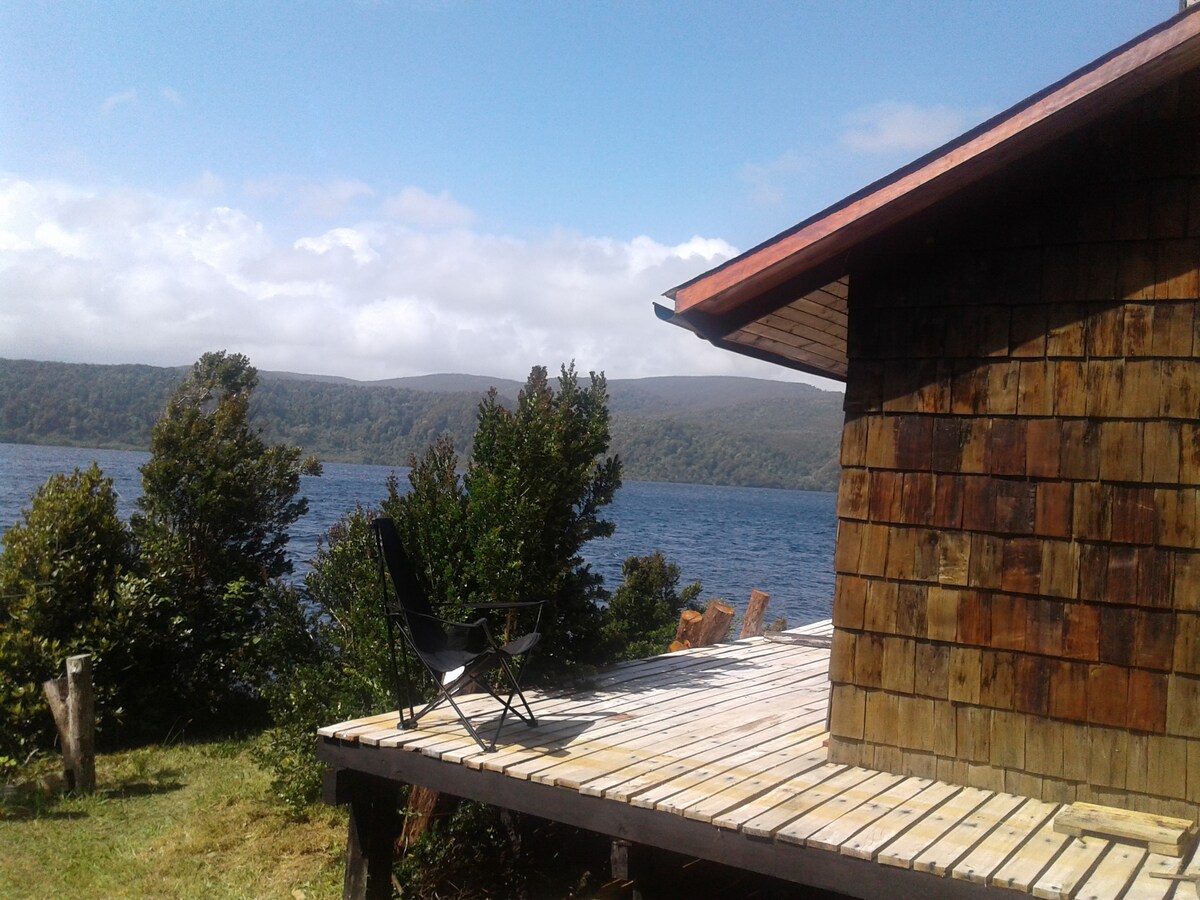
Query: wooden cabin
1016, 623
1015, 319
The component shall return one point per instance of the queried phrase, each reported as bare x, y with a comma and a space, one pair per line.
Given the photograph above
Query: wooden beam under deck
719, 753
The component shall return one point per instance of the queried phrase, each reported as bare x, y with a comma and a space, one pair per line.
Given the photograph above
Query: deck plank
666, 766
835, 834
767, 823
940, 857
1114, 874
867, 843
733, 738
335, 731
1192, 868
745, 794
1032, 858
855, 797
904, 850
1070, 869
618, 744
709, 778
1146, 887
986, 858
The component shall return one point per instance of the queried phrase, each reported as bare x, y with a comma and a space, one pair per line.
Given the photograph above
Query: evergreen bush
61, 575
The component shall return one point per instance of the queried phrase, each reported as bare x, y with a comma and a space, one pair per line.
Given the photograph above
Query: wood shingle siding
1018, 556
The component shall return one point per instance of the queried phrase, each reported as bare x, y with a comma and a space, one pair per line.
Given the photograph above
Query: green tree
513, 529
643, 613
331, 654
60, 575
220, 496
432, 517
212, 530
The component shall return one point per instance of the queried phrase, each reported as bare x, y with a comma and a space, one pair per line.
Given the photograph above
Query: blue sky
390, 188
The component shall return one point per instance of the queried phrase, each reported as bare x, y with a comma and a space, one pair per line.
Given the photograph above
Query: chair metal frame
443, 646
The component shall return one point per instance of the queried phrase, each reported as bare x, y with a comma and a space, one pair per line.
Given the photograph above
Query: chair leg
508, 706
446, 694
486, 748
515, 684
411, 721
515, 691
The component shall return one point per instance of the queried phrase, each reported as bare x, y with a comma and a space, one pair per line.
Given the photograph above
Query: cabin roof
785, 300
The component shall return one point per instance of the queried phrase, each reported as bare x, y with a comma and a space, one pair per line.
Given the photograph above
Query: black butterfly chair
456, 654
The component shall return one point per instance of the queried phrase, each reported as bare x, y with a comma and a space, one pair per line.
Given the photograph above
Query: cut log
689, 628
715, 624
752, 621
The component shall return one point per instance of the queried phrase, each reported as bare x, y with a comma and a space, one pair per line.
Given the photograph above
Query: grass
190, 820
198, 820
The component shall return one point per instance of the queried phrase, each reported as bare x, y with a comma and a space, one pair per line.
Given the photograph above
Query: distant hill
452, 384
705, 429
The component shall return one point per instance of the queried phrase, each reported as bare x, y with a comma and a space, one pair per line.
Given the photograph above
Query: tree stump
715, 624
752, 622
72, 703
689, 628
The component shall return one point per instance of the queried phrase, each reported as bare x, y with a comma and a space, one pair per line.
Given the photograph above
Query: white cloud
170, 95
420, 208
333, 199
892, 127
767, 182
52, 236
356, 242
122, 276
206, 184
116, 100
323, 200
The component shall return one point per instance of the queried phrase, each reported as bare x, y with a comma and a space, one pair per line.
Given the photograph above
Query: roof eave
1138, 66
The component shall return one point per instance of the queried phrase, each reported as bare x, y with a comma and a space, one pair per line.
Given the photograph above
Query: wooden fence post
752, 621
73, 705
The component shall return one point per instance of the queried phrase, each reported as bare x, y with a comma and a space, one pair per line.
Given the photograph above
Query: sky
404, 187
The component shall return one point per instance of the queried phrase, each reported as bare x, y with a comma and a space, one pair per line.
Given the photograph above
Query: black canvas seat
457, 655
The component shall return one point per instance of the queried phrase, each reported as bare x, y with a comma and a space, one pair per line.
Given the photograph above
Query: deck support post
371, 835
619, 857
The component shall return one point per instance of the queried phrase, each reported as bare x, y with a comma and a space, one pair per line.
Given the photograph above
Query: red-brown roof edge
1156, 55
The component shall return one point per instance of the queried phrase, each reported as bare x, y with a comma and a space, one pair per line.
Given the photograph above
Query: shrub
330, 655
643, 613
60, 576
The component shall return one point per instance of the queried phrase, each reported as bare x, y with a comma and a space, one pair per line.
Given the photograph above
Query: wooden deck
720, 753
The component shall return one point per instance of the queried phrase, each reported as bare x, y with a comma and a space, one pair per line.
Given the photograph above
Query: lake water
730, 539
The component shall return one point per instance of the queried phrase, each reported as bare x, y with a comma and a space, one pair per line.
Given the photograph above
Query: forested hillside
714, 430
